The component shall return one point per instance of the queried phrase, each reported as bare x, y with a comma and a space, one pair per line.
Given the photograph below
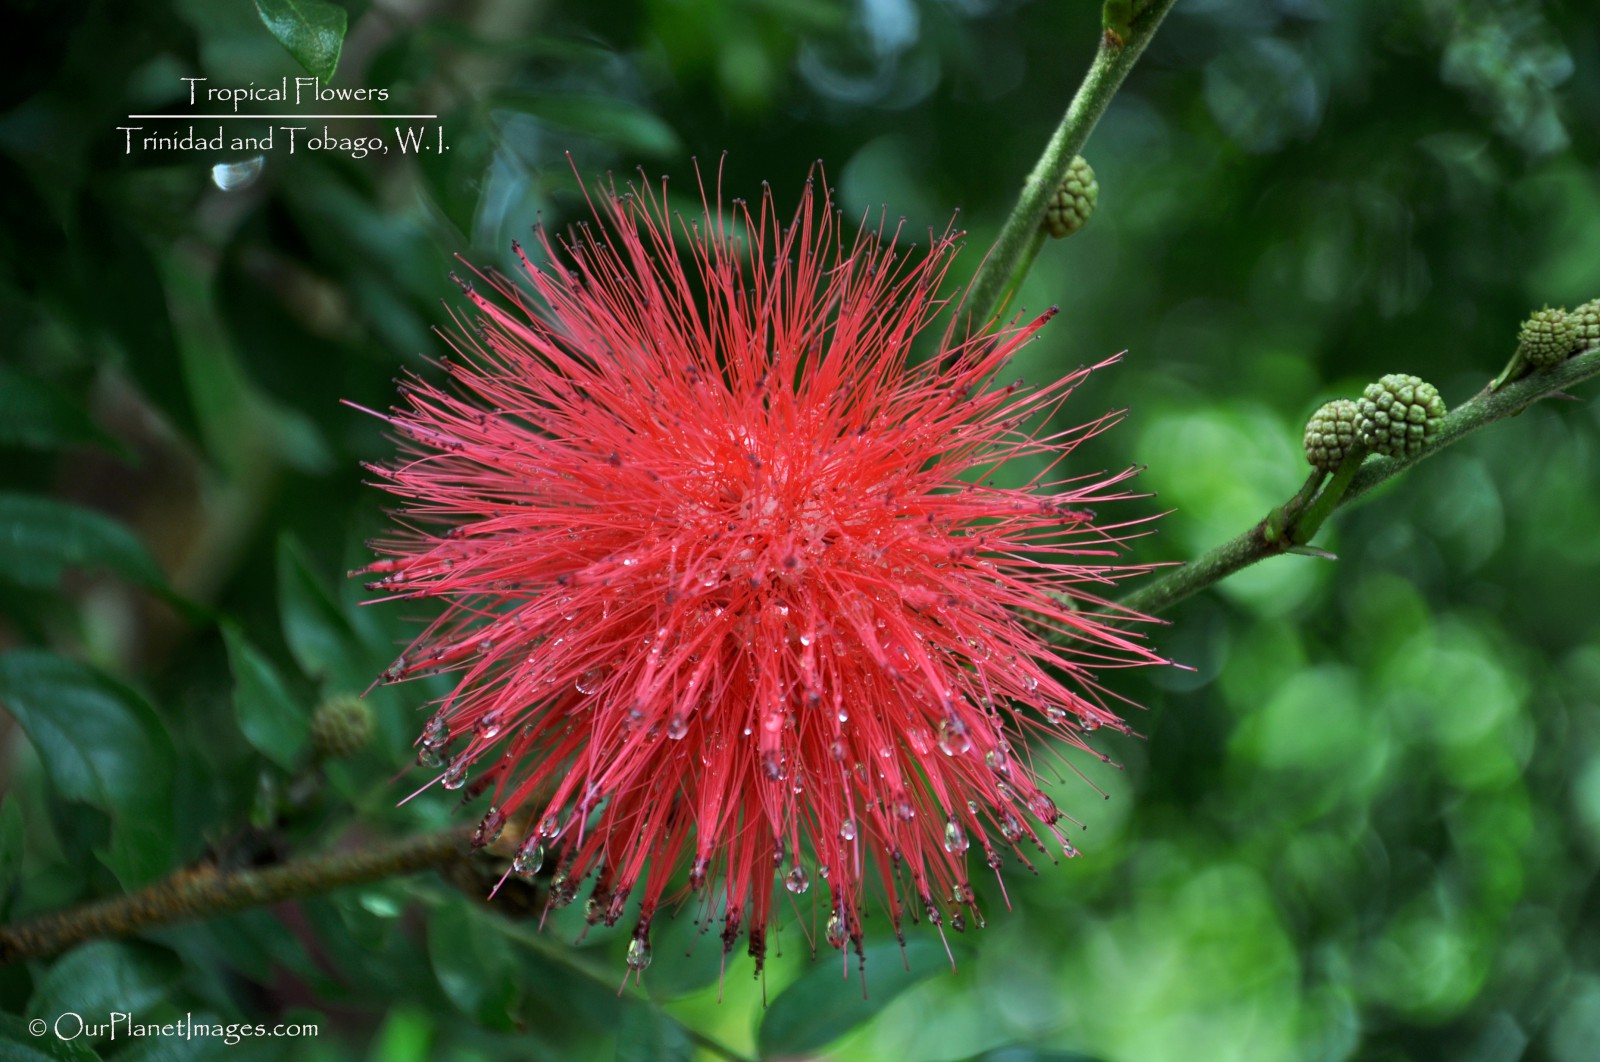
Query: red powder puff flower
727, 583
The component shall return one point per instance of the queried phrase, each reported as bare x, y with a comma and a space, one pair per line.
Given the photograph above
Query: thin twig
192, 894
1116, 56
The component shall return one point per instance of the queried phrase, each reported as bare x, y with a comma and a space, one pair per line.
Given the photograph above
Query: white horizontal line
283, 116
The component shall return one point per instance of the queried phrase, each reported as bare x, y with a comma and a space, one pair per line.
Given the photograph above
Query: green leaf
41, 537
322, 640
619, 122
455, 178
819, 1008
649, 1035
459, 34
406, 1035
37, 416
131, 311
106, 976
11, 850
275, 724
473, 963
312, 30
101, 745
18, 1043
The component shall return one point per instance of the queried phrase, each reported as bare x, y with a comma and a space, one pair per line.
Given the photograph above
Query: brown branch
192, 895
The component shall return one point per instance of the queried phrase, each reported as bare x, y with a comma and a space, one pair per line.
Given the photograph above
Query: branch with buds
1340, 443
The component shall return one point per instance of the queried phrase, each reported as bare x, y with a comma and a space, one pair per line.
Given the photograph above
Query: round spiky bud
1073, 204
341, 726
1396, 415
1547, 337
1586, 323
1331, 434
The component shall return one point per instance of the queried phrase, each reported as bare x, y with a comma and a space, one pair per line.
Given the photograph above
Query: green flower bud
1547, 337
1073, 203
1331, 434
1586, 322
341, 726
1396, 415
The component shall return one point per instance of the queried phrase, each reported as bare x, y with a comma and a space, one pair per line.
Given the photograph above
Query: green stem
195, 894
1253, 545
1025, 263
1286, 515
1305, 529
1186, 580
1010, 254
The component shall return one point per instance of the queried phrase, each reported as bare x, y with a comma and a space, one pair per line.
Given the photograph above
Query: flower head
728, 585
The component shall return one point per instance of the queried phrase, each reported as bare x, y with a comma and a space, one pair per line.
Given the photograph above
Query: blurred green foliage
1365, 822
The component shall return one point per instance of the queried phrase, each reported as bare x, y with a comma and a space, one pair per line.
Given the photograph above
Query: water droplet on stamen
953, 739
638, 952
677, 727
955, 838
797, 881
456, 776
529, 858
589, 681
835, 931
490, 828
847, 829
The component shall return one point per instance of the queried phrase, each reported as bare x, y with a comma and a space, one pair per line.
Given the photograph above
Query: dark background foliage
1365, 824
